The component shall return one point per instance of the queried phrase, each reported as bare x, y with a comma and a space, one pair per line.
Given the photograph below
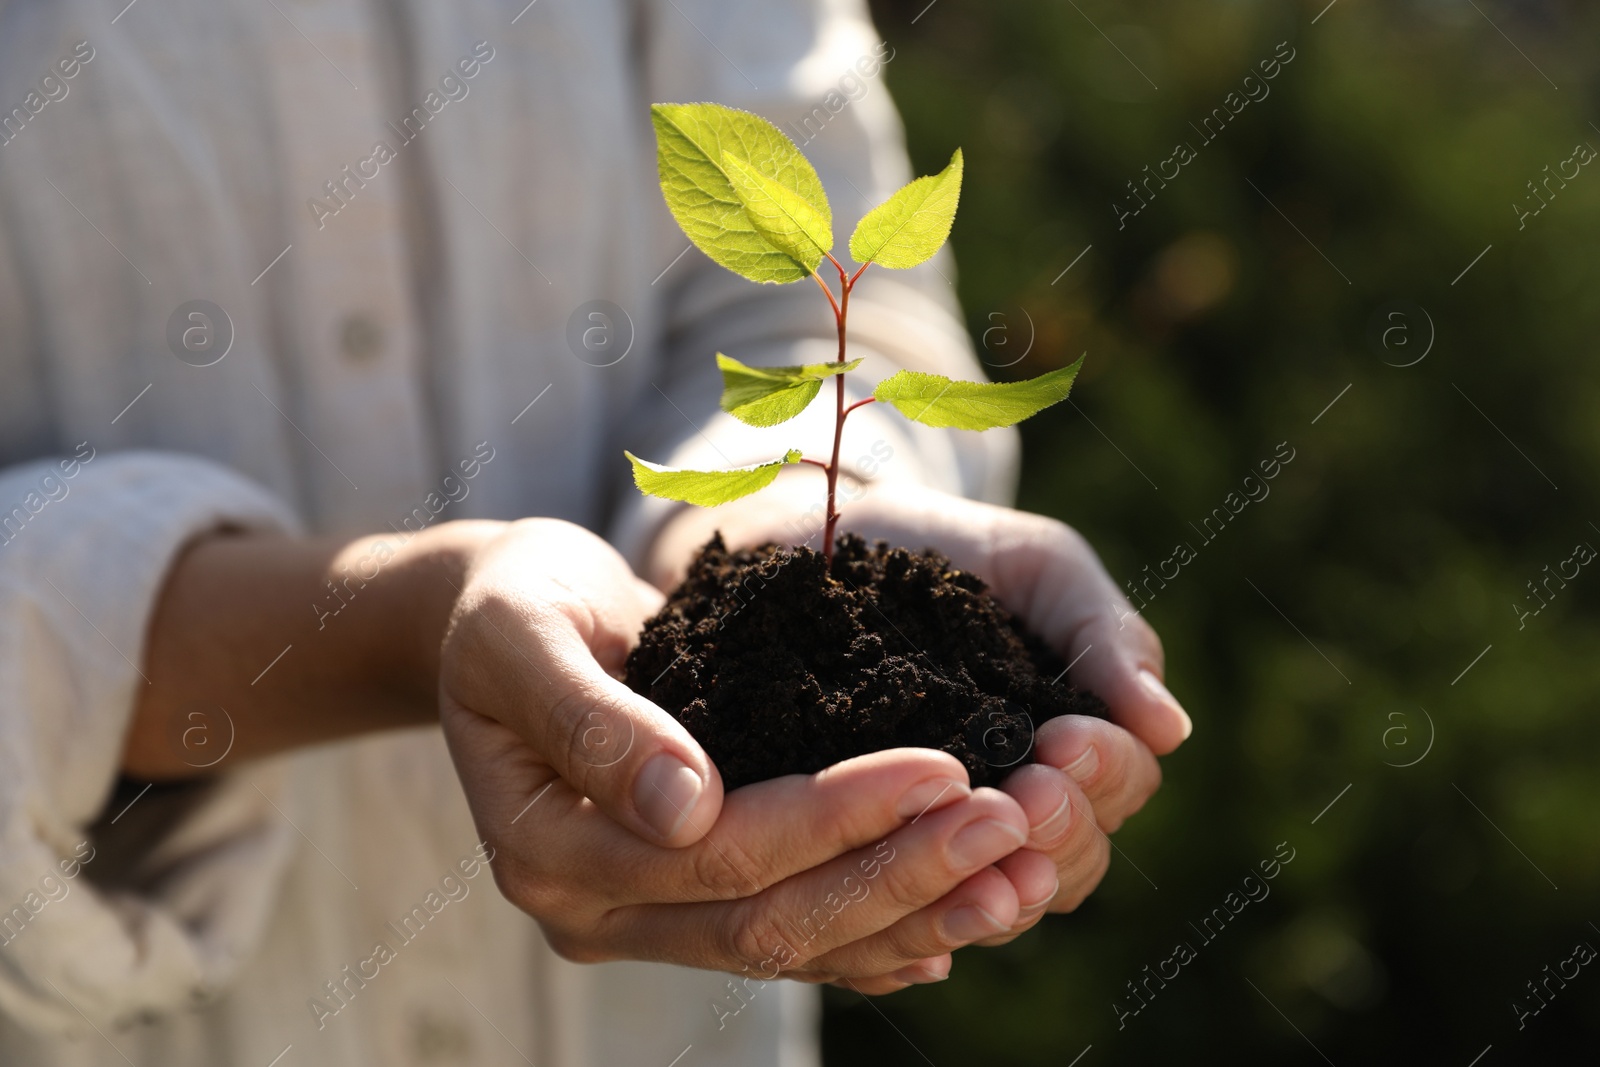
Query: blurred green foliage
1395, 548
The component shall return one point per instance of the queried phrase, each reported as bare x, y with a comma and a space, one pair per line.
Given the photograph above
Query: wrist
411, 609
310, 641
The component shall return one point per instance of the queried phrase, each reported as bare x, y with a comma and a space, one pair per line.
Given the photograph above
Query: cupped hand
611, 828
1089, 775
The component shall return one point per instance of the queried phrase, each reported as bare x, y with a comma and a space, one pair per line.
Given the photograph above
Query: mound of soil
778, 666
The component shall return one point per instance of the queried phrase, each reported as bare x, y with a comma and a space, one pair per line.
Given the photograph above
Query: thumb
629, 757
532, 663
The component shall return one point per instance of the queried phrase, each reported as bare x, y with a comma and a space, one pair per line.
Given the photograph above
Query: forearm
250, 625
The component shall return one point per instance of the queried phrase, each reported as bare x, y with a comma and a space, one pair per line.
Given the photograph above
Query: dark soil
777, 667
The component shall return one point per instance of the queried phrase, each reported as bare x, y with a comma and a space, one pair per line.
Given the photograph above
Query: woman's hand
609, 822
1089, 775
611, 828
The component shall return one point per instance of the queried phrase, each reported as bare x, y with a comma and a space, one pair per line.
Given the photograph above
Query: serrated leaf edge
925, 179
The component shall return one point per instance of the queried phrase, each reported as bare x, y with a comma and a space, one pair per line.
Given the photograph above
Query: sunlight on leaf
910, 226
691, 142
785, 218
938, 401
706, 489
766, 396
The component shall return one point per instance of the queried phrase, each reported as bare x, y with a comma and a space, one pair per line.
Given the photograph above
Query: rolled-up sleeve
86, 542
816, 68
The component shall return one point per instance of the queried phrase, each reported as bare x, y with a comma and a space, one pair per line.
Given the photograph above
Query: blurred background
1391, 657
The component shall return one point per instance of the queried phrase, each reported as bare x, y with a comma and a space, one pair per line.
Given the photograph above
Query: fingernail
1052, 827
984, 842
665, 793
1153, 686
924, 795
1083, 768
971, 923
926, 972
1028, 911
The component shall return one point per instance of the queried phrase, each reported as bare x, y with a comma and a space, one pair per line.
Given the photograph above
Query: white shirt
387, 315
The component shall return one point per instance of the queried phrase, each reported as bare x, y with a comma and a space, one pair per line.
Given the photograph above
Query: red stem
841, 312
827, 293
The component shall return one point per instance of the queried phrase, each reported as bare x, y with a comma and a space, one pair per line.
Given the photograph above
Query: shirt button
360, 338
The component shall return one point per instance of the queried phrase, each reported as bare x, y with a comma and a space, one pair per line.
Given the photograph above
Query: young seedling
747, 197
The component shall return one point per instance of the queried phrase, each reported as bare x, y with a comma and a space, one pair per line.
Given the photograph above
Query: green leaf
691, 142
937, 401
785, 218
706, 489
909, 227
766, 396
